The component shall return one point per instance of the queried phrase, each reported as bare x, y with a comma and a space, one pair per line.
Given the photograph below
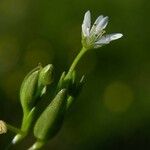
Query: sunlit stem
75, 62
38, 145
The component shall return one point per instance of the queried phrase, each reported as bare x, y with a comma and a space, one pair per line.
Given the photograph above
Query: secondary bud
46, 75
51, 119
3, 127
28, 90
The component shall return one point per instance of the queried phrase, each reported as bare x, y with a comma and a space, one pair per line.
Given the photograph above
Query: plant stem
75, 62
13, 129
38, 145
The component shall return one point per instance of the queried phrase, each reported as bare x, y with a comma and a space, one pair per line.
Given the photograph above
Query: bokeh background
113, 110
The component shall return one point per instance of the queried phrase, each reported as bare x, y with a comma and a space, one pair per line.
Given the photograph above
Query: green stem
13, 129
38, 145
75, 62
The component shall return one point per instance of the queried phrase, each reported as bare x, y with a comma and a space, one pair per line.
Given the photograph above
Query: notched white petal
87, 18
98, 19
84, 31
104, 40
86, 24
102, 24
96, 23
108, 38
115, 36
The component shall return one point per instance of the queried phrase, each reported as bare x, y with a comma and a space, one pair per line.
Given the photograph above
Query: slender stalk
75, 62
14, 129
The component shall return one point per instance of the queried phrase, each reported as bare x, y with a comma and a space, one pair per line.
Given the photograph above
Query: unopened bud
3, 127
51, 119
46, 75
28, 89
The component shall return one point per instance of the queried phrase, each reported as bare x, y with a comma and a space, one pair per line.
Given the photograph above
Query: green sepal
52, 117
76, 86
61, 81
66, 82
80, 85
27, 120
73, 76
70, 100
74, 91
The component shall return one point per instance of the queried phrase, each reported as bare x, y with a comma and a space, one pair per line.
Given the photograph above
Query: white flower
93, 37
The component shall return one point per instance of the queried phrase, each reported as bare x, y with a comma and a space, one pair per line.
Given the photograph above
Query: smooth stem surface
75, 62
14, 129
38, 145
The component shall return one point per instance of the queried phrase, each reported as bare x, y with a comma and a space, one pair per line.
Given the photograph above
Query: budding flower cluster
34, 86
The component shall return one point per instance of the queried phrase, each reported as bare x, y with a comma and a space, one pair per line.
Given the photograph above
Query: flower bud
51, 119
3, 127
46, 75
34, 86
28, 90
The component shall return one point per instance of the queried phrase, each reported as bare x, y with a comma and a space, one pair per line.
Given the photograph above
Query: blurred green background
113, 110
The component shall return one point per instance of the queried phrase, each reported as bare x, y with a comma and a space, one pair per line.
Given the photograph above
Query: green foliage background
113, 110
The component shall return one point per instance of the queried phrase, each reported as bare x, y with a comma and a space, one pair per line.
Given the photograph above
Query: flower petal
101, 25
96, 23
86, 24
116, 36
108, 38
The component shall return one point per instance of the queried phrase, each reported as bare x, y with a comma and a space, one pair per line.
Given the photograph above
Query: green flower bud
28, 90
46, 75
34, 86
51, 119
